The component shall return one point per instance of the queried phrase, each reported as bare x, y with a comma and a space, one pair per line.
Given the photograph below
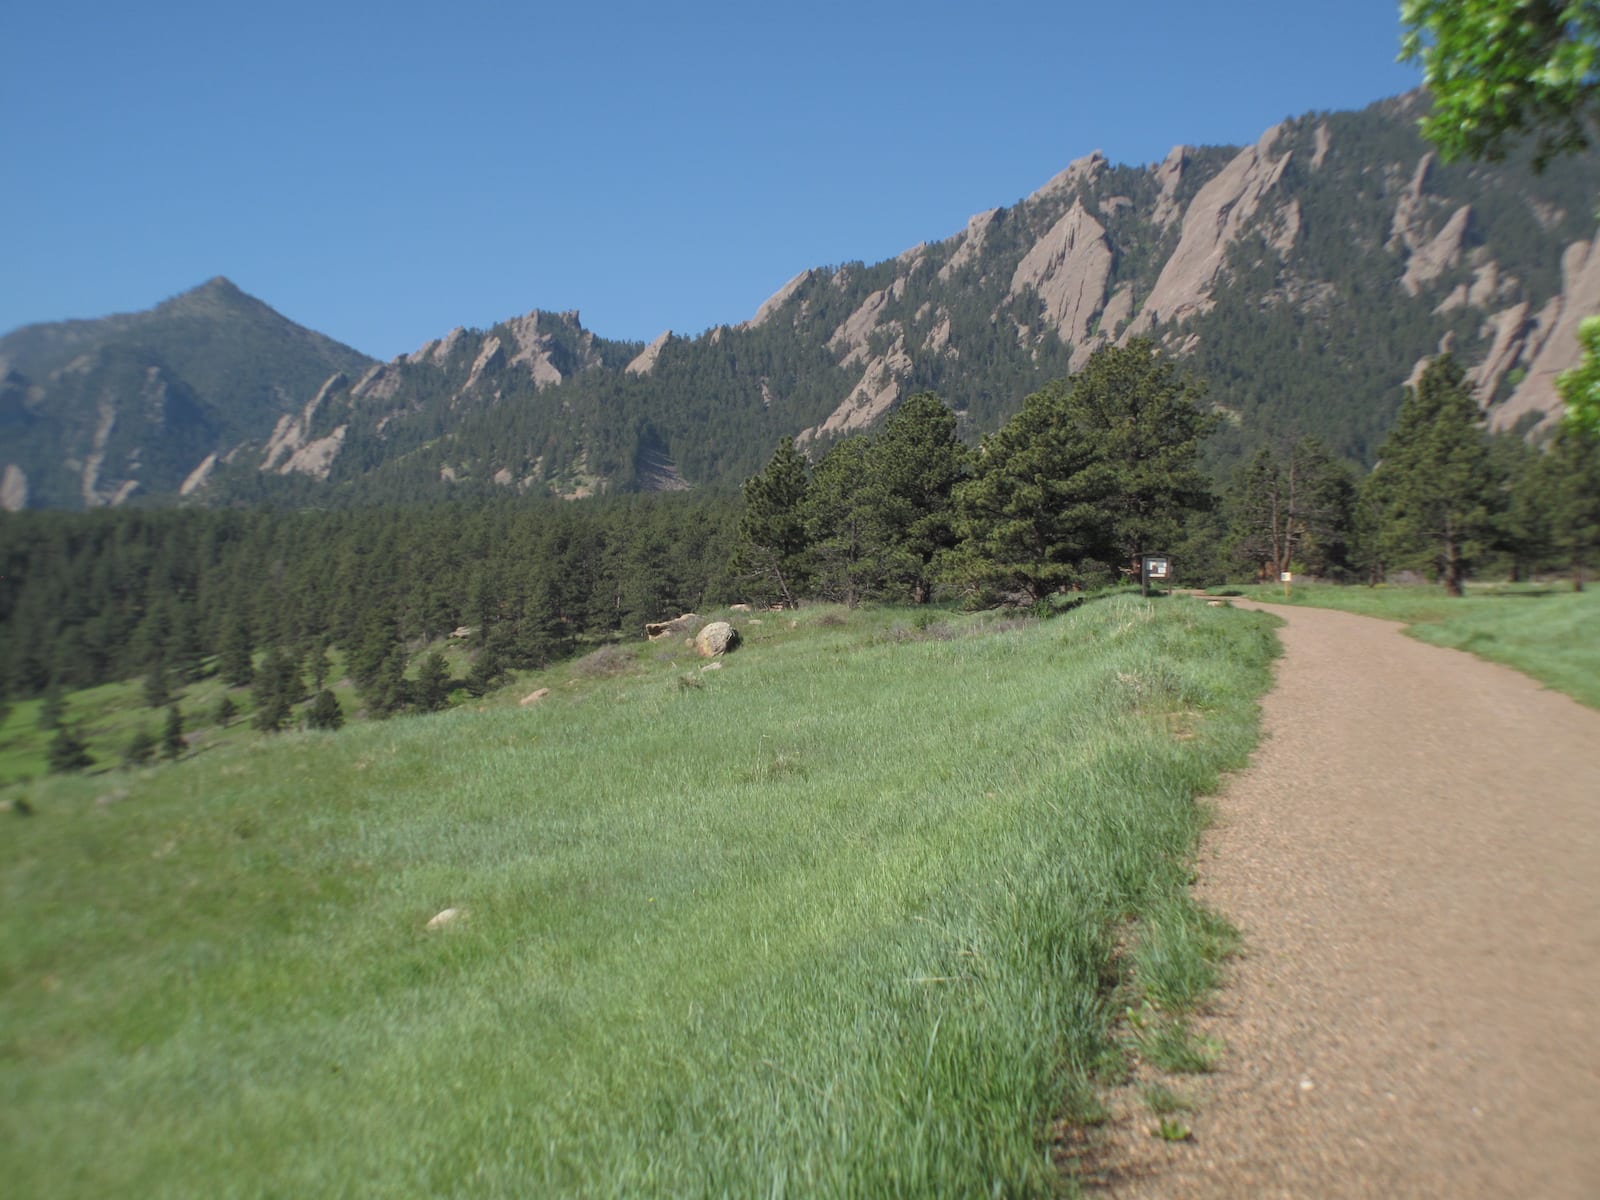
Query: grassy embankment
839, 918
1548, 632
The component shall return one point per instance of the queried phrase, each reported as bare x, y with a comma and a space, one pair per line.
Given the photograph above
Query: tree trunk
1452, 571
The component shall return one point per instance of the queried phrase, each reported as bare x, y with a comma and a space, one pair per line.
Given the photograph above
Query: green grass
841, 920
1549, 633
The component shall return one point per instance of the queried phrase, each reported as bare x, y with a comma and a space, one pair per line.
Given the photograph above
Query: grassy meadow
854, 914
1546, 631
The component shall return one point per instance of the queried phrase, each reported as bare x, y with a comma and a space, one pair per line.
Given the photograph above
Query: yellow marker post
1288, 578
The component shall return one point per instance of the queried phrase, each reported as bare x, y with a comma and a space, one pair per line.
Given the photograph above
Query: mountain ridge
1305, 275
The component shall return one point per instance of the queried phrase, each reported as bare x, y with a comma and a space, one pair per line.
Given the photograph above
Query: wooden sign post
1154, 567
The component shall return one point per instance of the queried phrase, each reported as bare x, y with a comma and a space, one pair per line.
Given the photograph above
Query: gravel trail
1413, 858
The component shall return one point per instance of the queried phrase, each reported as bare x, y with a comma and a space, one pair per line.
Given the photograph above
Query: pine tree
157, 692
1573, 489
325, 712
1146, 425
772, 533
389, 692
53, 707
1435, 479
487, 669
432, 689
226, 711
275, 691
140, 749
172, 740
68, 751
917, 461
851, 550
1031, 515
235, 663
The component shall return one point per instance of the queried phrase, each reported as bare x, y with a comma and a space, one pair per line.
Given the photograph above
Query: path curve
1413, 858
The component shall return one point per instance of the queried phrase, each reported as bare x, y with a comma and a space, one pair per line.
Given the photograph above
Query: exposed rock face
1285, 228
972, 241
197, 478
437, 351
1219, 213
858, 327
1506, 328
1324, 139
293, 432
645, 361
380, 382
1437, 256
1069, 268
1118, 309
656, 630
316, 457
1406, 228
13, 489
535, 348
1079, 170
89, 479
1560, 351
779, 298
870, 399
1168, 175
719, 637
491, 359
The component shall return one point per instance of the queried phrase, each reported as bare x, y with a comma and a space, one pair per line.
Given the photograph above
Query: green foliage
432, 688
1089, 476
1030, 517
1146, 425
141, 748
772, 532
172, 740
226, 710
917, 460
157, 691
1502, 69
849, 551
52, 708
1292, 508
68, 751
1580, 387
1436, 488
1571, 486
325, 712
236, 661
276, 689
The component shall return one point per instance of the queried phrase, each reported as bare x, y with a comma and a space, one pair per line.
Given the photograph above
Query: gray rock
716, 638
657, 630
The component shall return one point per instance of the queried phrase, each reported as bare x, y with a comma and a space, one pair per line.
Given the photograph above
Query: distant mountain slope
95, 412
1304, 276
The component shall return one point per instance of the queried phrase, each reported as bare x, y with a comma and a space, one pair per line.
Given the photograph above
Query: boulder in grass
716, 638
442, 918
535, 697
657, 630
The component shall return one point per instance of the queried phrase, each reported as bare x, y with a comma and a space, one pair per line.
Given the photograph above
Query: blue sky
384, 171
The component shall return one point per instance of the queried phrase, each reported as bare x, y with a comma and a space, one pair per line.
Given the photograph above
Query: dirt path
1413, 858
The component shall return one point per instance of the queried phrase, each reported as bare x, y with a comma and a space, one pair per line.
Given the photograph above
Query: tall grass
1552, 634
842, 920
